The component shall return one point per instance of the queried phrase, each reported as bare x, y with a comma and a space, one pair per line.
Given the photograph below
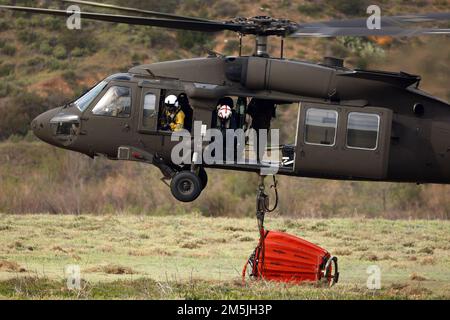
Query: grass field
193, 257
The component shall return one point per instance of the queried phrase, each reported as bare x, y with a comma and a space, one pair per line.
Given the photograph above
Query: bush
193, 41
36, 64
54, 64
155, 5
7, 69
351, 7
226, 9
3, 25
6, 89
18, 113
53, 23
28, 37
46, 49
81, 39
78, 52
60, 52
9, 49
70, 76
312, 9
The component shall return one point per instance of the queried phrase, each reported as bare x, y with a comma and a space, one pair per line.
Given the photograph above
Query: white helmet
171, 101
224, 112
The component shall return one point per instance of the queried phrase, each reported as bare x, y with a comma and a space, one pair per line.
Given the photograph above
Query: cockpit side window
115, 103
84, 102
149, 110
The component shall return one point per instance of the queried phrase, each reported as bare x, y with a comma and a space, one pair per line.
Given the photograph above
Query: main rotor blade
323, 32
133, 20
386, 21
134, 10
395, 26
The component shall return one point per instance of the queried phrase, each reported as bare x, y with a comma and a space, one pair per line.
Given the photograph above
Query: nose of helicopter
41, 126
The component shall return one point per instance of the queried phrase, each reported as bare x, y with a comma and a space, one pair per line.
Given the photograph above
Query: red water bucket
285, 258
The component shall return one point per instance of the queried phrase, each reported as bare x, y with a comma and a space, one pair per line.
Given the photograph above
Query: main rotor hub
266, 26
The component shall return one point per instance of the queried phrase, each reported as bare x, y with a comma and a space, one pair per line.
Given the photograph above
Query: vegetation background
43, 65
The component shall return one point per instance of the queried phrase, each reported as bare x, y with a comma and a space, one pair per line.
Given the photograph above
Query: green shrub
21, 23
82, 39
156, 5
226, 9
195, 42
351, 7
70, 76
46, 49
60, 52
36, 64
18, 114
53, 64
312, 9
53, 23
28, 36
9, 49
5, 89
3, 25
78, 52
7, 69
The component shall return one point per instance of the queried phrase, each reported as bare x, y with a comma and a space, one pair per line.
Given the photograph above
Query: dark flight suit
262, 112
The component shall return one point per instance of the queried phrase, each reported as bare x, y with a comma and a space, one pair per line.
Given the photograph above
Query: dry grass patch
11, 266
112, 269
417, 277
342, 252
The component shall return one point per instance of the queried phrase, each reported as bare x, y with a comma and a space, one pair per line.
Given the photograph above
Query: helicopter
352, 124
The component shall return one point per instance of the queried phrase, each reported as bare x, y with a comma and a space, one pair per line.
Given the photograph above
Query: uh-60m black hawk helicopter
352, 124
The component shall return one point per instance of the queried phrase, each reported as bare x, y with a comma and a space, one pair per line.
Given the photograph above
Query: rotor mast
261, 46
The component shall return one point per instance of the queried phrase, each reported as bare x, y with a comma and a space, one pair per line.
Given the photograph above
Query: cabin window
321, 127
149, 110
115, 103
363, 130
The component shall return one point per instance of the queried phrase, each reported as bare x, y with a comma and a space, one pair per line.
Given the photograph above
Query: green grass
192, 257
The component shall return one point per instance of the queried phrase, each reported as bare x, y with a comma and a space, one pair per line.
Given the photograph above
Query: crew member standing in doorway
262, 112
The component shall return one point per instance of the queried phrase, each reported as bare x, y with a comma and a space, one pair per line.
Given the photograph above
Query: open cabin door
343, 142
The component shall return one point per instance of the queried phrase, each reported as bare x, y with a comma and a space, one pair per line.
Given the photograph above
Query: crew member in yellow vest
174, 116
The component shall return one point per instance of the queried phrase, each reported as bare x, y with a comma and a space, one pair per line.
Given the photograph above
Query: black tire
201, 174
203, 177
186, 186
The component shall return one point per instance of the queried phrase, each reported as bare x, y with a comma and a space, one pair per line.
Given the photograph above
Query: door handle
127, 127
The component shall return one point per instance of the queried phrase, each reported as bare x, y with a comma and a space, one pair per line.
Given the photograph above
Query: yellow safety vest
176, 123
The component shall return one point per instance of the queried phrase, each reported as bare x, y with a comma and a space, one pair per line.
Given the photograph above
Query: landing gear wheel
203, 177
186, 186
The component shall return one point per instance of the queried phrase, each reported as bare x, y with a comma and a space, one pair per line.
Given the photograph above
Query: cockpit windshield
84, 102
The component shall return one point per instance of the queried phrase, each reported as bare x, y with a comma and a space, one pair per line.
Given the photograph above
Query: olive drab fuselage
413, 133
